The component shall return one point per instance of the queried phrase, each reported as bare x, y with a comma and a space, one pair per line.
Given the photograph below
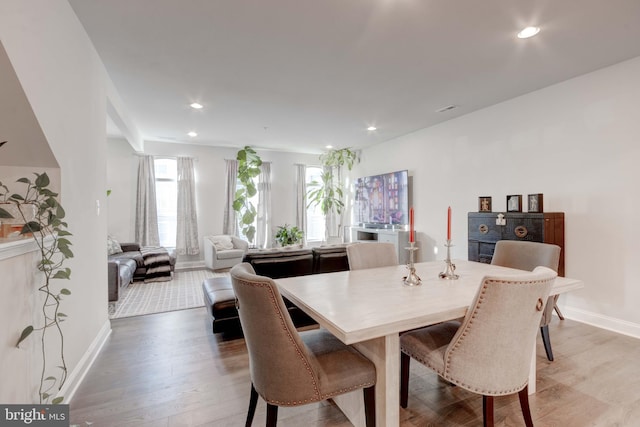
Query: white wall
210, 182
578, 143
64, 81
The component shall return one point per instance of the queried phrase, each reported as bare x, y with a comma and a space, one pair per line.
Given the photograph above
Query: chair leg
272, 415
253, 402
524, 404
370, 406
405, 360
544, 331
558, 312
487, 411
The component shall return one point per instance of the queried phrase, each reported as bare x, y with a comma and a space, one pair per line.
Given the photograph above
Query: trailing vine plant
248, 169
49, 230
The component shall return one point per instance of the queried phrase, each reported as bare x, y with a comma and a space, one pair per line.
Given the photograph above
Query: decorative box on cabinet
484, 232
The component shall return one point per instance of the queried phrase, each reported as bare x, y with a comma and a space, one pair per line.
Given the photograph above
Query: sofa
223, 251
127, 266
274, 263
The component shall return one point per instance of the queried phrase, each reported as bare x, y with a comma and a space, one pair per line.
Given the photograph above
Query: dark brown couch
274, 263
128, 266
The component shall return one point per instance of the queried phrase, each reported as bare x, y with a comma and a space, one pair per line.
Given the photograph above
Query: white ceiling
296, 75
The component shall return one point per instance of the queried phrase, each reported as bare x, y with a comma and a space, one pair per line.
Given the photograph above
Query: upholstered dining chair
371, 255
289, 368
489, 353
527, 256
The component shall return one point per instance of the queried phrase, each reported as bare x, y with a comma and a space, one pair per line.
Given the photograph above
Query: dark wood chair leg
487, 411
405, 360
524, 404
544, 330
370, 406
253, 402
272, 415
558, 312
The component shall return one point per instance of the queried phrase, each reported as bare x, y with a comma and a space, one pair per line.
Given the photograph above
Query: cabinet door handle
521, 231
483, 229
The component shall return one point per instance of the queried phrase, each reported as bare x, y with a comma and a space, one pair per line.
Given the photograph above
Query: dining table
370, 308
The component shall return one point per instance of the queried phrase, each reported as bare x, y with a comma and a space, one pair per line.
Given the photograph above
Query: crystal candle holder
450, 268
412, 279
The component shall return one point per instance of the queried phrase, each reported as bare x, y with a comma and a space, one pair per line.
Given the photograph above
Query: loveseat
274, 263
128, 266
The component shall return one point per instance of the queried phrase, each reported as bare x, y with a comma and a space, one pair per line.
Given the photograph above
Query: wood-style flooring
169, 369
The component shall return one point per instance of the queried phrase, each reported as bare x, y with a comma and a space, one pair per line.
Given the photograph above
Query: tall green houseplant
328, 193
49, 231
248, 169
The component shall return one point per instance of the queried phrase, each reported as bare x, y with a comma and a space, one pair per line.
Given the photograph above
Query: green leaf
25, 333
63, 242
50, 379
5, 214
60, 213
24, 180
66, 252
62, 315
237, 205
57, 400
65, 291
17, 197
45, 396
60, 274
30, 227
42, 180
64, 233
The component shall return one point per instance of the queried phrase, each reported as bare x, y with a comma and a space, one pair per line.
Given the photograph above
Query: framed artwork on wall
514, 203
484, 204
535, 203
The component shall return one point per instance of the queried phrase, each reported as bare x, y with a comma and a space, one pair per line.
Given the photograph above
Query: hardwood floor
168, 369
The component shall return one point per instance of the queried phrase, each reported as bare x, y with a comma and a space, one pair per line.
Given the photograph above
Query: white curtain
187, 241
146, 211
301, 199
263, 228
230, 224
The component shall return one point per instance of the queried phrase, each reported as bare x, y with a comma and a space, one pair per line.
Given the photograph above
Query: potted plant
328, 194
248, 169
289, 235
49, 231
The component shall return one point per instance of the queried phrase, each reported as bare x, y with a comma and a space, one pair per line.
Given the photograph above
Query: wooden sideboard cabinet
484, 232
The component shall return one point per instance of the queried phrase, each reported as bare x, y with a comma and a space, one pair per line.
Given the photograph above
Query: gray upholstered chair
371, 255
489, 353
527, 256
223, 251
290, 368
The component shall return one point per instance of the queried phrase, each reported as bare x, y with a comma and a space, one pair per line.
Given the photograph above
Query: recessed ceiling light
372, 128
196, 106
528, 32
192, 134
328, 147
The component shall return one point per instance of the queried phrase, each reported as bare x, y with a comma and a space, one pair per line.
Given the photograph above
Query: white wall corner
116, 111
84, 364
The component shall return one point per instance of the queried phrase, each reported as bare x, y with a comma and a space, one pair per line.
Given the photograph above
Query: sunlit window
166, 200
315, 218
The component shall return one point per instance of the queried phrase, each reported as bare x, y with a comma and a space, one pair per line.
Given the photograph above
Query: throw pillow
113, 246
221, 243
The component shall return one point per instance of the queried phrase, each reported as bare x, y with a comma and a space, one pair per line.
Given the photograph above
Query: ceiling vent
447, 108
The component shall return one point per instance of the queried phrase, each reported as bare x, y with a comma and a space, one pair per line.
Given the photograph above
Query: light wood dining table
370, 308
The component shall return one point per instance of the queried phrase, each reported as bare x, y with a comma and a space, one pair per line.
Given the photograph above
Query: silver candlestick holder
412, 279
450, 269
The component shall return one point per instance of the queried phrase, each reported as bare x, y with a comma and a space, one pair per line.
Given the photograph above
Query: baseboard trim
601, 321
190, 265
86, 361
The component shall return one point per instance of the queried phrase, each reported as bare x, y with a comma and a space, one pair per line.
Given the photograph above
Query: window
166, 171
315, 218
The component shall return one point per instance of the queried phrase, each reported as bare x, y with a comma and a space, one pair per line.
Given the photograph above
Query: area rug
184, 291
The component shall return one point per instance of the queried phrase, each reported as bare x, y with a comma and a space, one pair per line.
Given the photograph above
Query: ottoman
220, 301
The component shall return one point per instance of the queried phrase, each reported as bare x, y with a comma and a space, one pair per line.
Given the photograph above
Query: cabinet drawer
483, 228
